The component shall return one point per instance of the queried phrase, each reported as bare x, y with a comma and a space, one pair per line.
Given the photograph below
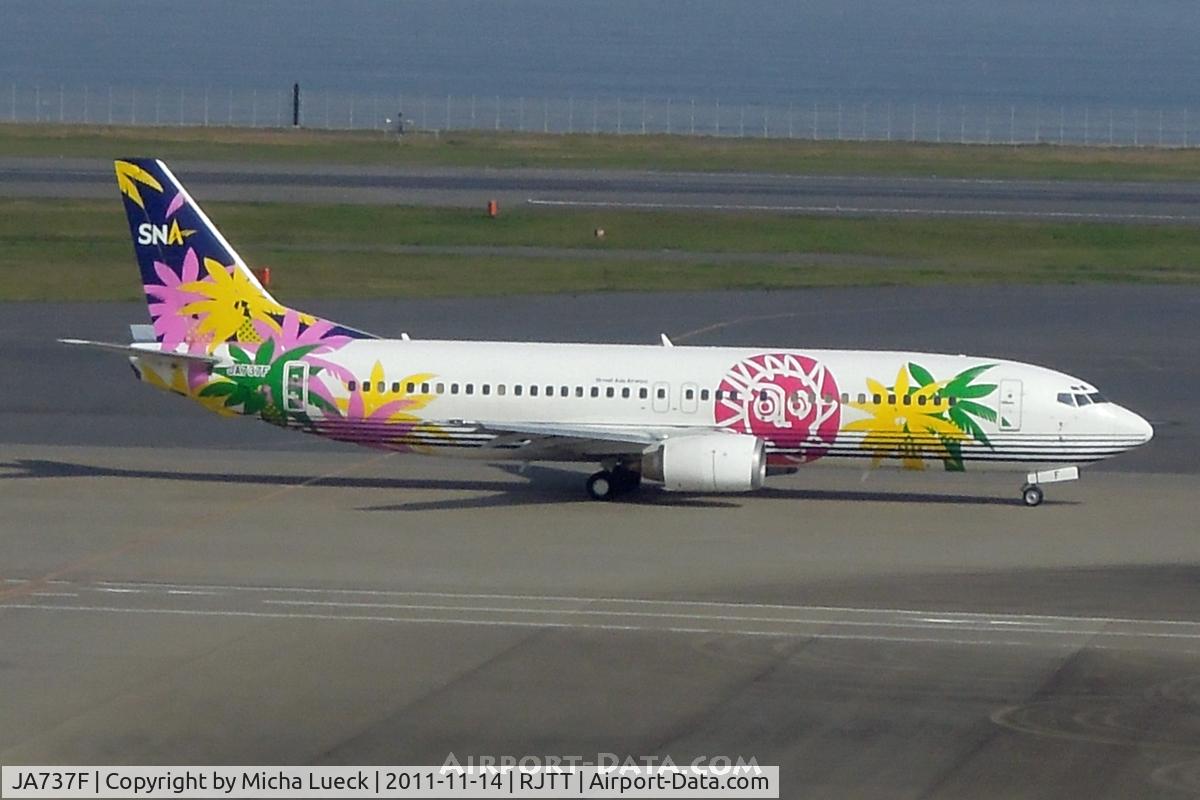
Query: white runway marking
608, 613
630, 600
891, 211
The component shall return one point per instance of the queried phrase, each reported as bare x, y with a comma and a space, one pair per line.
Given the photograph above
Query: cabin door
1010, 405
295, 387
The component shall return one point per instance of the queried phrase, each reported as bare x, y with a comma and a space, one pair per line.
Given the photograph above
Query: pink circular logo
789, 400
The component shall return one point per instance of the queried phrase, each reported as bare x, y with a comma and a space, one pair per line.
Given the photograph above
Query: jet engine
712, 462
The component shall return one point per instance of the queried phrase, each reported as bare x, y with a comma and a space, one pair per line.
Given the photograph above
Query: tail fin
199, 291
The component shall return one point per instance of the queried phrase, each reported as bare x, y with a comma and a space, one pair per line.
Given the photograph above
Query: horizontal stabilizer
142, 350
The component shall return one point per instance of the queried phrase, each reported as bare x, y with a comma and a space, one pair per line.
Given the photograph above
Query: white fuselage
836, 407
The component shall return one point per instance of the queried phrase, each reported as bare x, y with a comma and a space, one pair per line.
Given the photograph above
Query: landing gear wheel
601, 486
1032, 495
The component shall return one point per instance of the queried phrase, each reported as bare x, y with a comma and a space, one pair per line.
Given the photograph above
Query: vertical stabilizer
199, 291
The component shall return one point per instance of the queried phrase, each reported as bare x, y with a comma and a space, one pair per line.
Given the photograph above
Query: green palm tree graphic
965, 408
253, 384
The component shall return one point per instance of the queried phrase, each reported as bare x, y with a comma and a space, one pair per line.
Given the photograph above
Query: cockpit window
1082, 399
1066, 398
1096, 397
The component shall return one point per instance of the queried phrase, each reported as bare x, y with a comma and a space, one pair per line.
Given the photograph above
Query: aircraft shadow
543, 485
863, 496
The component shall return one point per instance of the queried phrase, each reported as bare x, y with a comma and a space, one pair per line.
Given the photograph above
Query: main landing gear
610, 483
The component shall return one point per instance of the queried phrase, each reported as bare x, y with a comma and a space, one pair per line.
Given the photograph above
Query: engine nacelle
712, 462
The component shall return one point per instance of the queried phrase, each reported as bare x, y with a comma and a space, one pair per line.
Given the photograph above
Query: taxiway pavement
1063, 201
179, 588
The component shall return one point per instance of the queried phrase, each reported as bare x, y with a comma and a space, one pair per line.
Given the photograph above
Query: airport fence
875, 120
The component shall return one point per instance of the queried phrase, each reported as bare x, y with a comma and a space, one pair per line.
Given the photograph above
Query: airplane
695, 419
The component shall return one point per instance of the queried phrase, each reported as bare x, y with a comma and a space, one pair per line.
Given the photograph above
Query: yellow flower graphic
392, 408
180, 382
129, 176
907, 423
232, 305
386, 406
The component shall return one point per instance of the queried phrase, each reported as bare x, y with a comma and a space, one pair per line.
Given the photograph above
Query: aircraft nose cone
1136, 425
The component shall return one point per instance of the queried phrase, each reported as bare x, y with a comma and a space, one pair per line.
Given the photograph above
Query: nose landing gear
1032, 494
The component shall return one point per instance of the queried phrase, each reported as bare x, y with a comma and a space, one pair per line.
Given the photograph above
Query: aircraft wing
143, 350
582, 439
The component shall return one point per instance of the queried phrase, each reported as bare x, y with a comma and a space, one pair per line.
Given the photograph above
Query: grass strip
80, 250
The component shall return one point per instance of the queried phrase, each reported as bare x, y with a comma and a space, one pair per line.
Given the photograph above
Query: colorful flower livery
694, 418
273, 361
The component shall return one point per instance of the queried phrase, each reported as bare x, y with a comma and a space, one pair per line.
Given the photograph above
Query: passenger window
877, 399
382, 388
396, 387
412, 387
595, 391
454, 388
862, 398
891, 399
703, 394
470, 388
501, 389
921, 400
1066, 398
579, 391
485, 388
424, 388
533, 390
352, 385
906, 400
549, 391
517, 389
689, 394
845, 398
733, 396
625, 393
564, 391
366, 386
610, 392
643, 393
441, 388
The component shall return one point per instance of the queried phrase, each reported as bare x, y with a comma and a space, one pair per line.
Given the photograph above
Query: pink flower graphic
290, 336
171, 324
